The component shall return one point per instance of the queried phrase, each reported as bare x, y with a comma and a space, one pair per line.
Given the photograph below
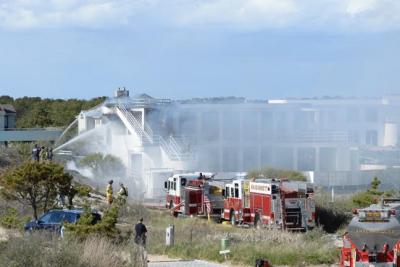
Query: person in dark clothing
35, 152
140, 236
50, 155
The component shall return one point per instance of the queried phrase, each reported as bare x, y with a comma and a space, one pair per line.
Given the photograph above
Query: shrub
106, 227
83, 190
11, 219
103, 165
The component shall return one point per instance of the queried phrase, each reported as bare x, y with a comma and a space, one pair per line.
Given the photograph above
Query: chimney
122, 92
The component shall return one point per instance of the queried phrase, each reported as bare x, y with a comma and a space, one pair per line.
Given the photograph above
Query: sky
182, 49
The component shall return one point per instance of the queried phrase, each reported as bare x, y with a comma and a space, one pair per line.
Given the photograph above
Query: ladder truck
194, 194
270, 202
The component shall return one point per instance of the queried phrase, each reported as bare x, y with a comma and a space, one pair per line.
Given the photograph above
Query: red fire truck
373, 236
194, 194
270, 202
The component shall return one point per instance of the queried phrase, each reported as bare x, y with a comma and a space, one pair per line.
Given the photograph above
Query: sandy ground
164, 260
3, 234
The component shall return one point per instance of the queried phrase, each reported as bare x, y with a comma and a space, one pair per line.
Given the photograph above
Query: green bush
103, 165
11, 219
83, 190
372, 195
106, 227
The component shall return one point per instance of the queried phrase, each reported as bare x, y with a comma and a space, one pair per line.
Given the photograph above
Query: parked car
53, 219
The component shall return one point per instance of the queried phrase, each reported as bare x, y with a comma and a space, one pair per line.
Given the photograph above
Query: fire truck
270, 202
194, 194
373, 236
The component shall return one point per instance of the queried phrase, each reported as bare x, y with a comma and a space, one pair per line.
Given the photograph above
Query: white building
334, 139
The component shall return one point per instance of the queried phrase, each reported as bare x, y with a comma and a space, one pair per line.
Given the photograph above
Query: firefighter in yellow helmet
109, 192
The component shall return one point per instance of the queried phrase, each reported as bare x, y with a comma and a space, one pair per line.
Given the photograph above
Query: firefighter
122, 194
43, 154
140, 233
109, 192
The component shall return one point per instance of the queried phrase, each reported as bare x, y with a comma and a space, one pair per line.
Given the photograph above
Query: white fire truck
270, 202
194, 194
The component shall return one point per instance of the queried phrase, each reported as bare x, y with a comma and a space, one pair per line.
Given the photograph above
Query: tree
372, 195
35, 183
104, 165
277, 173
35, 111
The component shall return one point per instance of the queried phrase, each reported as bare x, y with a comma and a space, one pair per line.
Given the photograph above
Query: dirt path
164, 260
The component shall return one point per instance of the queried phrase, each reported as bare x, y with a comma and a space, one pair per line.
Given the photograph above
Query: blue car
53, 219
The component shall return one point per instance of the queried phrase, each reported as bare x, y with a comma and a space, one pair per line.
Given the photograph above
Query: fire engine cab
270, 202
194, 194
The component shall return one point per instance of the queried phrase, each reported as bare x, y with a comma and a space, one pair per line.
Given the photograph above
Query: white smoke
84, 171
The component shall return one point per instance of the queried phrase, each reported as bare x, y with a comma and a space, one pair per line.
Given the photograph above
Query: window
371, 138
56, 217
236, 190
183, 181
174, 183
232, 192
226, 191
70, 217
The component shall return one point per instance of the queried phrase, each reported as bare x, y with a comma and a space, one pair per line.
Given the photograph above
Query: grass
195, 238
42, 251
198, 239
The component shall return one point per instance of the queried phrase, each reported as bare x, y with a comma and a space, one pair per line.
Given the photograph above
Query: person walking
140, 233
109, 192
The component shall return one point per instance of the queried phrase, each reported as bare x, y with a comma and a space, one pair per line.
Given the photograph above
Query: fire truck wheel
257, 221
232, 217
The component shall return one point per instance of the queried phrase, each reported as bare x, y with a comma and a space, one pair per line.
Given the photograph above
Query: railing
137, 103
136, 126
171, 151
171, 146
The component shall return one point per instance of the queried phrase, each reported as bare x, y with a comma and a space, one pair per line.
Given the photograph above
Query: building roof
7, 108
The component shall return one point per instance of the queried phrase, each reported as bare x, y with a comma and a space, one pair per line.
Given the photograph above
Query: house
7, 117
338, 141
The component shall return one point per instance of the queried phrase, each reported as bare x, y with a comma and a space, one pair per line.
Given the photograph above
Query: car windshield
45, 218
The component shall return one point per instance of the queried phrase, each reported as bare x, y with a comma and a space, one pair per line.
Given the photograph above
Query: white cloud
17, 14
337, 15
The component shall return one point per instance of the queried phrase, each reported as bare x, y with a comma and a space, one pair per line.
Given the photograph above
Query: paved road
195, 263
